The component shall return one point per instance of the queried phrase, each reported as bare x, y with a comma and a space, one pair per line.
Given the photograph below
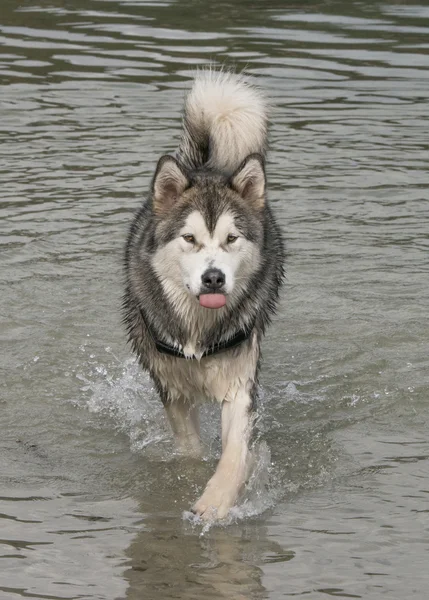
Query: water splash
128, 399
120, 396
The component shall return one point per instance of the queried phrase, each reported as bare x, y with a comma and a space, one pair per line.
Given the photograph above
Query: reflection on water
92, 494
221, 565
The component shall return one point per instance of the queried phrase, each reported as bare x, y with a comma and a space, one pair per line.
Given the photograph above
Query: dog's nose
213, 279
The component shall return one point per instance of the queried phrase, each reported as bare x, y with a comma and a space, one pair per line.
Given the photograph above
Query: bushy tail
225, 120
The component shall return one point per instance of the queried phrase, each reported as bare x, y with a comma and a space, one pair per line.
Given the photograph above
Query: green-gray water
92, 493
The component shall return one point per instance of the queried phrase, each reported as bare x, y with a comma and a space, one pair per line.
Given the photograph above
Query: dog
204, 263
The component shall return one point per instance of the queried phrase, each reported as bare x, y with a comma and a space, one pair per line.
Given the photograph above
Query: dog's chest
213, 378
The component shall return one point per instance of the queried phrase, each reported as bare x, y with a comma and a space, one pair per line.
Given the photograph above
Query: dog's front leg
224, 487
185, 423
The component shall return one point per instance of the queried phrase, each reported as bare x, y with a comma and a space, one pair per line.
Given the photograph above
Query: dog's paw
216, 501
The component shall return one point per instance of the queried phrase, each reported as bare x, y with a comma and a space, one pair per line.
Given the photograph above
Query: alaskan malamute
204, 262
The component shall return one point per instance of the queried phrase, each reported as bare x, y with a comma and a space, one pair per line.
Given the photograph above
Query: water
93, 497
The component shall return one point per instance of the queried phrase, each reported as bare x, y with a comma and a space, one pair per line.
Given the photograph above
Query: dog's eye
231, 238
189, 238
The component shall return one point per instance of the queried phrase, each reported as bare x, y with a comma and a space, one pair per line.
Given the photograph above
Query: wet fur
199, 181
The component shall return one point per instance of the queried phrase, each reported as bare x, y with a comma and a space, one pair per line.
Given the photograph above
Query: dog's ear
249, 180
169, 183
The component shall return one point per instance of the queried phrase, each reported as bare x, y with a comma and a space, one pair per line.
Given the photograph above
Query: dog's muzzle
212, 289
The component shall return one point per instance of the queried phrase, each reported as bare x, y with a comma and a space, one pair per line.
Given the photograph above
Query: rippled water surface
92, 492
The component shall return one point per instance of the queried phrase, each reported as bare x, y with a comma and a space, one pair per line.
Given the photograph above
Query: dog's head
208, 230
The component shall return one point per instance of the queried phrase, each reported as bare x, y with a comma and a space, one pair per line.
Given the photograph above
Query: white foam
129, 400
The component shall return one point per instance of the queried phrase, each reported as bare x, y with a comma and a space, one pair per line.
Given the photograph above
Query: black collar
238, 338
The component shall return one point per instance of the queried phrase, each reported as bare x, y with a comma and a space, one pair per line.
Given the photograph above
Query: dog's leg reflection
224, 487
185, 422
169, 561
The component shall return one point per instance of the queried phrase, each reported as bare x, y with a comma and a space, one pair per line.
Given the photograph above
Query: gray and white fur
207, 232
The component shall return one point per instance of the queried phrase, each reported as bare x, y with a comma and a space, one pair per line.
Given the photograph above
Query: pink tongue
212, 300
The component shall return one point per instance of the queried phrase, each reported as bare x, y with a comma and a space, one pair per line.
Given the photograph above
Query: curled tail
225, 120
